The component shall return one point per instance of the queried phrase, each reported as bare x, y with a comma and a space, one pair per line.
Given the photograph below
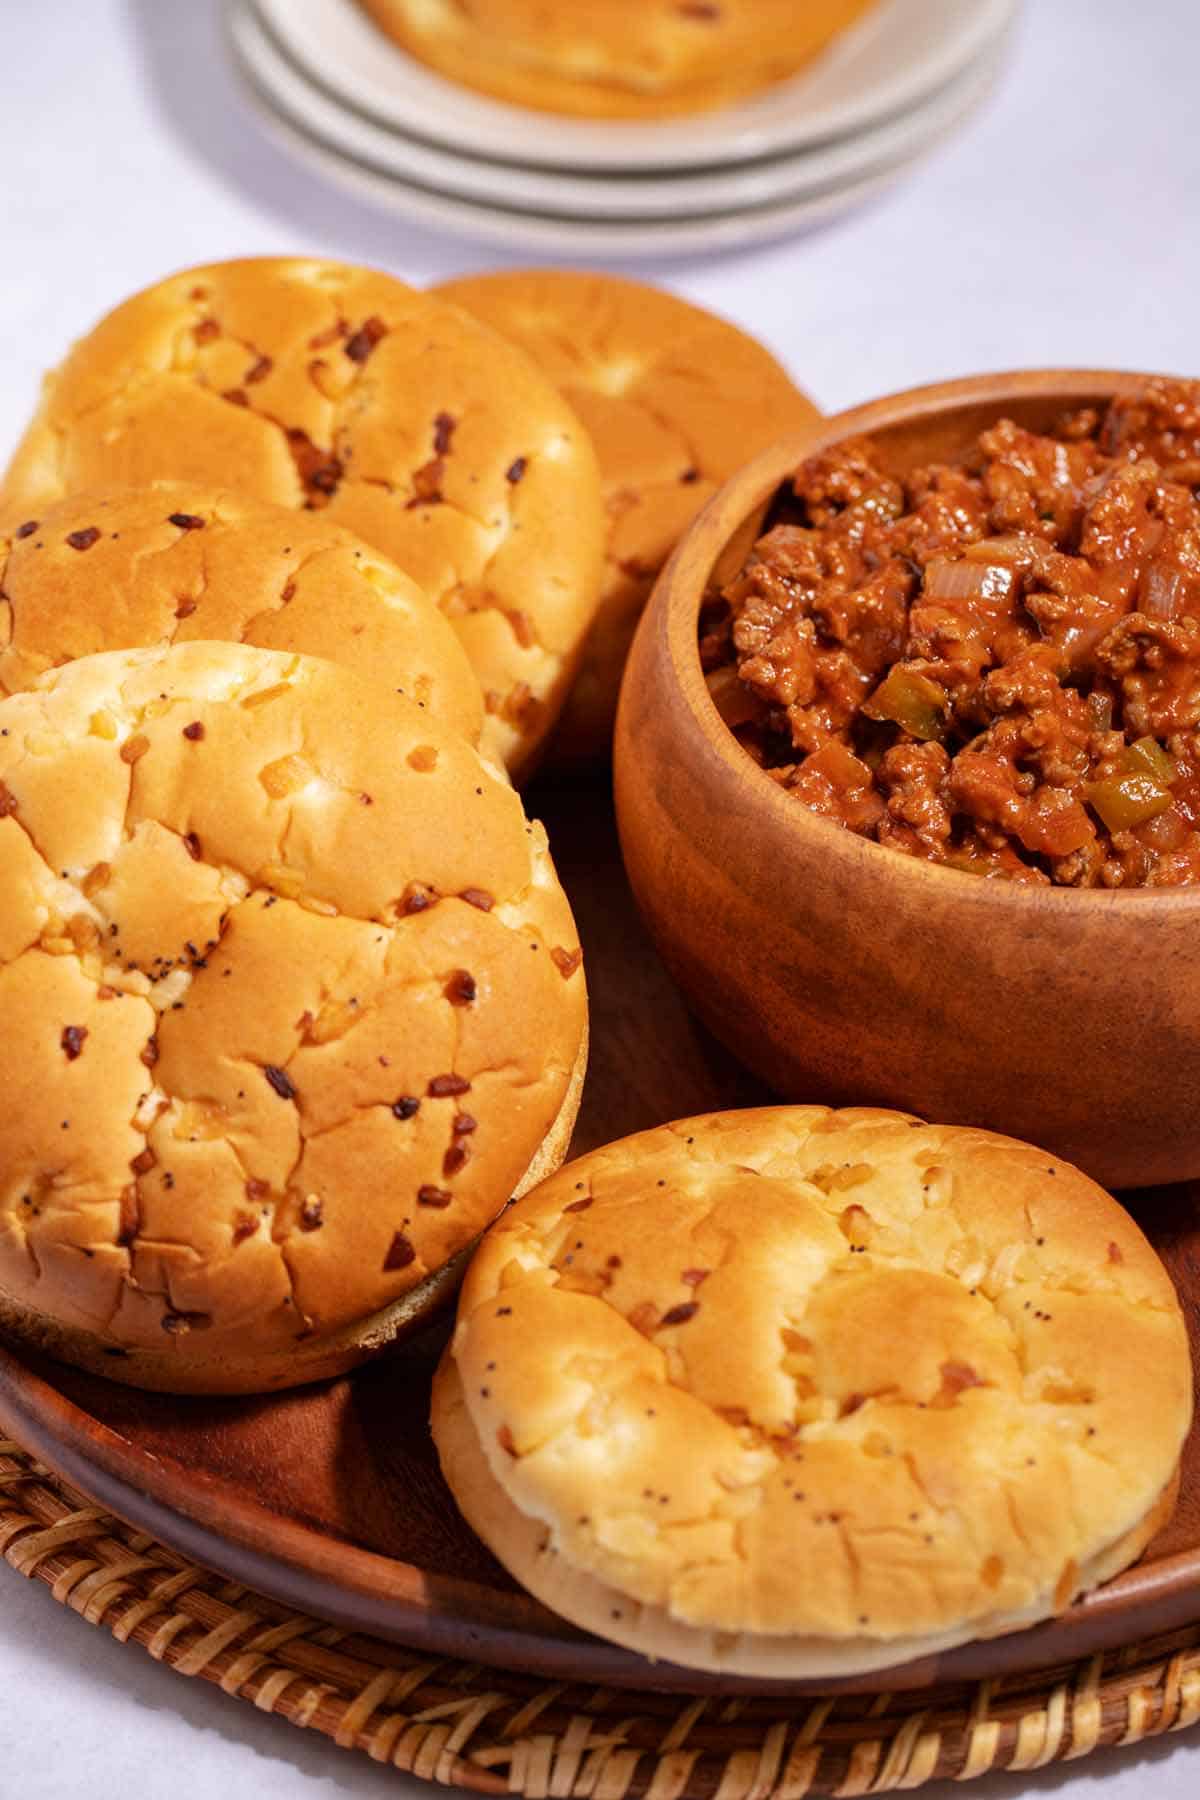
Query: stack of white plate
343, 97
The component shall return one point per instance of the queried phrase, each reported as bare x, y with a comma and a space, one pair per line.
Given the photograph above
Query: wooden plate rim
361, 1590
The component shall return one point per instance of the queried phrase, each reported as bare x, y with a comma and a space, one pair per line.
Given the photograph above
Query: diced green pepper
911, 701
1147, 757
1123, 801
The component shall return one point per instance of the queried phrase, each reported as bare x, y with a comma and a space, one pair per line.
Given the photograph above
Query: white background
1059, 228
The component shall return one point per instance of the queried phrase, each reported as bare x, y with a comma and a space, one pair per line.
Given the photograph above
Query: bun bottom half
522, 1544
317, 1359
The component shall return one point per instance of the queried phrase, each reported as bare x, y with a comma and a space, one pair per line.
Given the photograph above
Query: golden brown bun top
610, 58
172, 562
831, 1374
289, 998
314, 384
675, 398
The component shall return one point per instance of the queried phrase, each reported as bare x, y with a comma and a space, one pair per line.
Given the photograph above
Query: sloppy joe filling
992, 663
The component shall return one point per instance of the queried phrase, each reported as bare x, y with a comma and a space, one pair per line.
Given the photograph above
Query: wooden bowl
840, 970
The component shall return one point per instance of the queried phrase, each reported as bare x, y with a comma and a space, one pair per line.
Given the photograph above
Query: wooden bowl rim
675, 608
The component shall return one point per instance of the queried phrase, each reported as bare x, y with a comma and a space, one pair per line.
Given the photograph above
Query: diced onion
1100, 712
732, 698
951, 579
840, 767
1169, 831
1018, 551
1161, 591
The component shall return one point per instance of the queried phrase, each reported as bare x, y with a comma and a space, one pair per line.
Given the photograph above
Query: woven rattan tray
499, 1732
329, 1502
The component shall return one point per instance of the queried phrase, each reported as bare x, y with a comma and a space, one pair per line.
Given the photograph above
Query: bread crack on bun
173, 562
801, 1393
339, 391
240, 1070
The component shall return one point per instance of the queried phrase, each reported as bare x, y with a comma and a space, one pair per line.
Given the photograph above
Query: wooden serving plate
329, 1499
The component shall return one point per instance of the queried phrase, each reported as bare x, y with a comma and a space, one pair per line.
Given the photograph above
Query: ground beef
993, 664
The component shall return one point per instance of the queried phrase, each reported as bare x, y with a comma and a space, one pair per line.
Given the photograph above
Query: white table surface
1058, 228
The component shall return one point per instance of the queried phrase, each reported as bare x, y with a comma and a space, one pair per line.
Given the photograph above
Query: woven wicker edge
502, 1732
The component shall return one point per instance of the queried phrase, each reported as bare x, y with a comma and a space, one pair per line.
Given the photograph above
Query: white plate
901, 52
601, 196
555, 235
